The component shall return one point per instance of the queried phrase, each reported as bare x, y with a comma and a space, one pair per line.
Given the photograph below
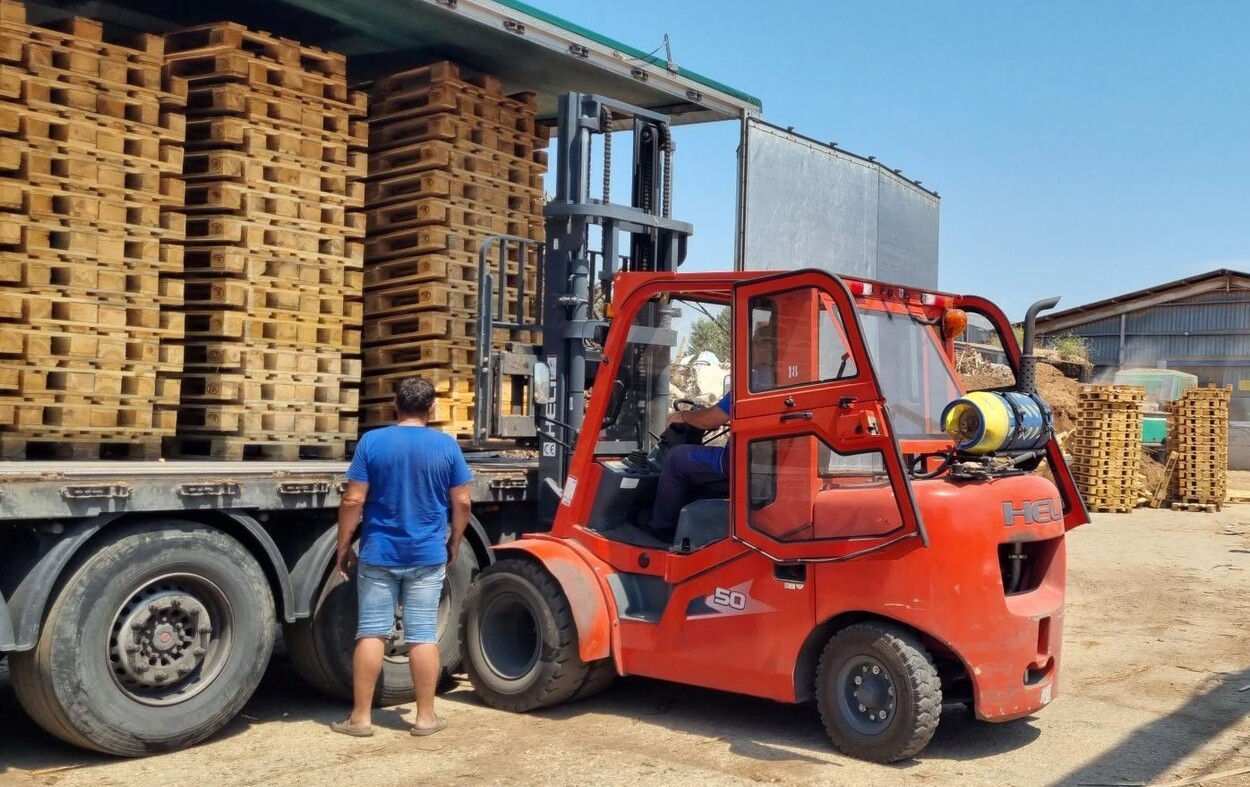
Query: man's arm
351, 507
461, 498
706, 419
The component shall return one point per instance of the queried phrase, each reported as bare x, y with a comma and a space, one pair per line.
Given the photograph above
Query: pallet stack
91, 139
1106, 448
1199, 436
274, 173
451, 162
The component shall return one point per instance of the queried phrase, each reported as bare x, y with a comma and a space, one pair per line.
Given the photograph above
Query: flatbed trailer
140, 600
207, 558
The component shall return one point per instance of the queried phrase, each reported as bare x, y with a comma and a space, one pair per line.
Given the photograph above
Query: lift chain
668, 145
605, 122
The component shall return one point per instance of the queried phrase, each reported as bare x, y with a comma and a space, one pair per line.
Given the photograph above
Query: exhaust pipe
1027, 384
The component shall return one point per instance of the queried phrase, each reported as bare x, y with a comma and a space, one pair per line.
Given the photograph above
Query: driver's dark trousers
685, 468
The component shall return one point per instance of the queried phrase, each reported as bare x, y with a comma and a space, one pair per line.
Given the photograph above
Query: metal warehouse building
1199, 325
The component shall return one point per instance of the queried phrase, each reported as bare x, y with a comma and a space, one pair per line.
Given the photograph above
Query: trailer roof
529, 49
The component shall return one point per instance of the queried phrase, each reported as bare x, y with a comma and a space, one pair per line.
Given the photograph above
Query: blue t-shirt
714, 458
410, 470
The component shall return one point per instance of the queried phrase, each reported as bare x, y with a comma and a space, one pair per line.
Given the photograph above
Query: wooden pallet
86, 447
94, 138
1209, 508
244, 449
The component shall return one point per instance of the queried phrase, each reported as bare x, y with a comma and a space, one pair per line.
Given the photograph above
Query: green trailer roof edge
572, 27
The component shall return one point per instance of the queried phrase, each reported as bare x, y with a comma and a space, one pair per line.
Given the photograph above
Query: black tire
519, 639
599, 676
321, 645
878, 692
154, 642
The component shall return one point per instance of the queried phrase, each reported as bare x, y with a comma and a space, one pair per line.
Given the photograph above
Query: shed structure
1199, 325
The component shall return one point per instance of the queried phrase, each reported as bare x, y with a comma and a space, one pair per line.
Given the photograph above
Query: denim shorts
415, 591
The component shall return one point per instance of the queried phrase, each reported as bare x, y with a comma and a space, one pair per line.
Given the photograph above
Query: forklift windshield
914, 375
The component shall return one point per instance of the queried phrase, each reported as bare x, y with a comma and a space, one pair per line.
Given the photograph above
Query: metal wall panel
808, 205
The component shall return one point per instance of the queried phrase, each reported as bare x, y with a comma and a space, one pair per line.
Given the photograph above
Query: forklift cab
812, 464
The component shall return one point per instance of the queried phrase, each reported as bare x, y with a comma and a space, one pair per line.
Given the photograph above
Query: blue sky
1082, 149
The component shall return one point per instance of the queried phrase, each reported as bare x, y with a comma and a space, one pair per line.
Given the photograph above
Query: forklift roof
530, 50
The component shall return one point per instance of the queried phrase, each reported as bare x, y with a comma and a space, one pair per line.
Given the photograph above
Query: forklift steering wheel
689, 404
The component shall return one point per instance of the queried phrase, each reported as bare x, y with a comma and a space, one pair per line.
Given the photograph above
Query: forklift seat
702, 522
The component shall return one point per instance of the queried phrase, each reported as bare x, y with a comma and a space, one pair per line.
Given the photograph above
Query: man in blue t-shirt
399, 485
688, 466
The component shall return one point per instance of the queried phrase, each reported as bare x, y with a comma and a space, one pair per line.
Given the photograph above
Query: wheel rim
867, 695
509, 637
170, 639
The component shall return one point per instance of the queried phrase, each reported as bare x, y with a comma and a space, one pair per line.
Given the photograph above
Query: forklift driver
689, 466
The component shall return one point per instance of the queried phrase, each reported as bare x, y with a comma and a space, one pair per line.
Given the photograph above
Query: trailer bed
53, 490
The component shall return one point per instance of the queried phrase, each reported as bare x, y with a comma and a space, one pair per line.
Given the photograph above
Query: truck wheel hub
161, 640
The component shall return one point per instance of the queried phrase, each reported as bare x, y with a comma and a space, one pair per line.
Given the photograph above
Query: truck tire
153, 643
878, 692
321, 645
519, 638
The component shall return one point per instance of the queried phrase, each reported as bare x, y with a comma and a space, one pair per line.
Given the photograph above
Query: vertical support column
566, 304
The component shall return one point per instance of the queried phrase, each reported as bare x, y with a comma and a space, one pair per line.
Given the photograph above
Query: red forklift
883, 544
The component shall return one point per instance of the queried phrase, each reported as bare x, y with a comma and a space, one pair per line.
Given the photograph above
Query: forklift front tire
878, 692
519, 638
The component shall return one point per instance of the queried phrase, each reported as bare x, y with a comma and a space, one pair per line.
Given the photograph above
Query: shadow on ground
752, 728
1153, 749
281, 697
771, 731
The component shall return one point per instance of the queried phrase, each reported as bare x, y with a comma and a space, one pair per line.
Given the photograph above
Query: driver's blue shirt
714, 458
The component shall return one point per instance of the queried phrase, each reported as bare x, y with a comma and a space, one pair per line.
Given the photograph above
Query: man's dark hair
414, 396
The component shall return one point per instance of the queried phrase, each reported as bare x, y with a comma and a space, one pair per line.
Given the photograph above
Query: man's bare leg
424, 662
366, 666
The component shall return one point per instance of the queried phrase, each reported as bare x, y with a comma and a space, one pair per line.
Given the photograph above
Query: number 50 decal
723, 602
729, 599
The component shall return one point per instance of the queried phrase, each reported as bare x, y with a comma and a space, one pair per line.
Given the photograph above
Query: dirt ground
1157, 648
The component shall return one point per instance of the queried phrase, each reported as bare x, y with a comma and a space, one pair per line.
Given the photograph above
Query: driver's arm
706, 419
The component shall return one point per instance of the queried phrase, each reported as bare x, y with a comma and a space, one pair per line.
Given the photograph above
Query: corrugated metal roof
530, 50
1152, 296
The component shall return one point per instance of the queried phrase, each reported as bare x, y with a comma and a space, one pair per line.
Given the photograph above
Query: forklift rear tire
878, 692
519, 638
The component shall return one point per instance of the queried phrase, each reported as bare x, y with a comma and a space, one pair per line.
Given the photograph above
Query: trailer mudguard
311, 566
587, 595
7, 640
31, 596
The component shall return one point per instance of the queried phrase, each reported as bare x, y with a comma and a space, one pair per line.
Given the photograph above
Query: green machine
1163, 386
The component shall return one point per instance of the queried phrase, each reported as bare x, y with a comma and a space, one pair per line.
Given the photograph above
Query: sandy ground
1157, 646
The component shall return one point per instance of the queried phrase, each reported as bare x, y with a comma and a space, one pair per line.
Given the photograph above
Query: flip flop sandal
345, 728
439, 724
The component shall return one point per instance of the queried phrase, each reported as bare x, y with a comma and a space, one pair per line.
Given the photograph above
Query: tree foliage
711, 334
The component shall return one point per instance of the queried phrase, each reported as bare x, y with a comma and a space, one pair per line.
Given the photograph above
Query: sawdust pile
1061, 393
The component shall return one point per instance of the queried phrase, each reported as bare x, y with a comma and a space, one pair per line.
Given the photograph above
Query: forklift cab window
803, 490
797, 339
656, 368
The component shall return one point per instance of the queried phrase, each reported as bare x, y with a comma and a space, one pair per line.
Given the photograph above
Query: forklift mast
580, 264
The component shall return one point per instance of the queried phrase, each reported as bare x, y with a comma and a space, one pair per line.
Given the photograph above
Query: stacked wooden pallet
1106, 448
451, 163
274, 173
1199, 435
91, 139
